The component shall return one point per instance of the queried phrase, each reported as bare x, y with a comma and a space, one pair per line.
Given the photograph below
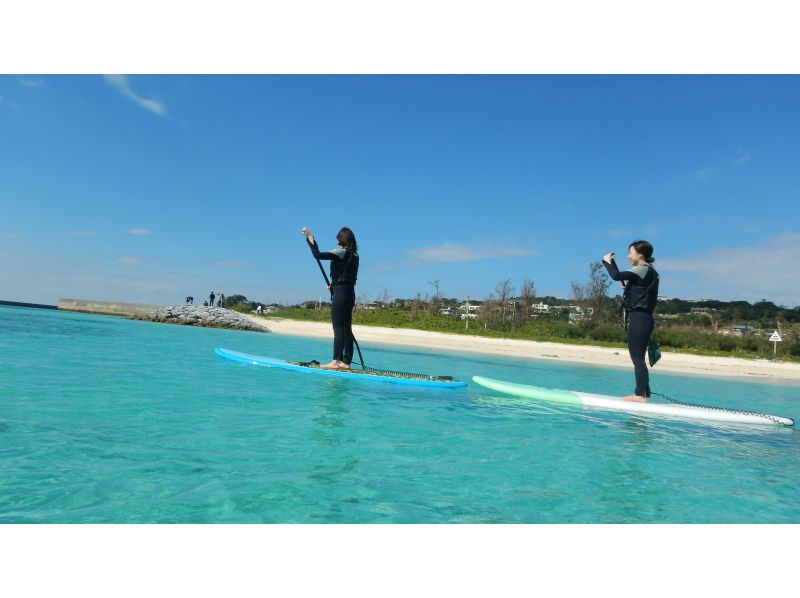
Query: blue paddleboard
270, 362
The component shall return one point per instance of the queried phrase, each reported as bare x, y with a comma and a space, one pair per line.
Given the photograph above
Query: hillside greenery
681, 338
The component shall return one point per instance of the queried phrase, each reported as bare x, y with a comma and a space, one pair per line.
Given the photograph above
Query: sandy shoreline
681, 363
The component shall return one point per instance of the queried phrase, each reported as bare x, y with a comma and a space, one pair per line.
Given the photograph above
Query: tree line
588, 315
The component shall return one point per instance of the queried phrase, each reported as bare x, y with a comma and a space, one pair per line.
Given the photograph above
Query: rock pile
198, 315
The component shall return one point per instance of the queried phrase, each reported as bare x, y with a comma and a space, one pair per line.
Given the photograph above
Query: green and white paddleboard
609, 403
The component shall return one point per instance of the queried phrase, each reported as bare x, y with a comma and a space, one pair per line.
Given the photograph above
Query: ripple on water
109, 420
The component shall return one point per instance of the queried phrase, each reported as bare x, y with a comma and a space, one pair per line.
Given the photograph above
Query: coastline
678, 363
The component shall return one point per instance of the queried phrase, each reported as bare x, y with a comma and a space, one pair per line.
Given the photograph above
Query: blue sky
151, 188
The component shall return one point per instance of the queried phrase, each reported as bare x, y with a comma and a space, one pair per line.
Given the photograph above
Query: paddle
330, 288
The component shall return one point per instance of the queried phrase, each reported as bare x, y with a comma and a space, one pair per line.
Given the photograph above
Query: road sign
775, 339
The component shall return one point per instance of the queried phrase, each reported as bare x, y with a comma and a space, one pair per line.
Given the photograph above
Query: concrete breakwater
110, 308
198, 315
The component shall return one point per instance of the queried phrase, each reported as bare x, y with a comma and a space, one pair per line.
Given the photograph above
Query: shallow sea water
106, 420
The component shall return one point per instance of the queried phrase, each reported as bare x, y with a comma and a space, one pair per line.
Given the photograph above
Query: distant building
579, 314
469, 311
738, 330
540, 308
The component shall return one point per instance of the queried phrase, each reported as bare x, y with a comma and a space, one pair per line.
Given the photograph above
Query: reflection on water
332, 459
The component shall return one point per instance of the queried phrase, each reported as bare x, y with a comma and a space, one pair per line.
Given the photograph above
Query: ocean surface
107, 420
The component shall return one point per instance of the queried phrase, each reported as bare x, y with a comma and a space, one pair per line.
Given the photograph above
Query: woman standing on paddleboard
344, 271
638, 301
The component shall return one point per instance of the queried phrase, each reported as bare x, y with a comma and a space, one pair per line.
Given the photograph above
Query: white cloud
138, 231
129, 260
737, 161
8, 235
82, 233
31, 82
120, 83
741, 160
767, 270
455, 252
232, 264
44, 279
618, 233
704, 172
8, 102
451, 253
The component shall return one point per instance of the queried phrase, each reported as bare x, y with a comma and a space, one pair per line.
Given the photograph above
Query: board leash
766, 416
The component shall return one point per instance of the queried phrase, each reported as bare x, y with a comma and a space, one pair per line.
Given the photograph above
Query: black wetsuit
344, 271
639, 301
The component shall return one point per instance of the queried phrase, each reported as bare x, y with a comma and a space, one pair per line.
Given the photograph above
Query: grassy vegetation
682, 339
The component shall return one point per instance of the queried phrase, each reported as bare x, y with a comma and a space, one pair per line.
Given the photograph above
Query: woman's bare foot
333, 365
344, 366
635, 399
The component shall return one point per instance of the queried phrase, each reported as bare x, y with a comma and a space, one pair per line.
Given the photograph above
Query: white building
540, 308
579, 314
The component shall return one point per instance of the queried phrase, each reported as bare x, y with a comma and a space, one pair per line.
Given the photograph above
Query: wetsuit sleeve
321, 255
615, 274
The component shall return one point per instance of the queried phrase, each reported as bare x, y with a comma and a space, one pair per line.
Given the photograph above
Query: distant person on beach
258, 309
639, 300
344, 271
220, 300
205, 303
211, 299
190, 300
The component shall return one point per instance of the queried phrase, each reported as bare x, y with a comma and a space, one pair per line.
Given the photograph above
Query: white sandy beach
680, 363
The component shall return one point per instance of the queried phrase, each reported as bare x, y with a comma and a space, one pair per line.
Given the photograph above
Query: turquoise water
106, 420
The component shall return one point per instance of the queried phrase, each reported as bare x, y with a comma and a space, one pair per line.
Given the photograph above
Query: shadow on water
631, 494
332, 435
